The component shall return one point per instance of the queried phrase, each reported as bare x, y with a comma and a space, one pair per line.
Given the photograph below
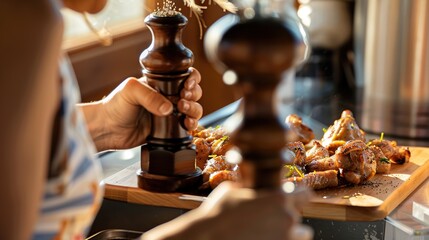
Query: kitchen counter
410, 220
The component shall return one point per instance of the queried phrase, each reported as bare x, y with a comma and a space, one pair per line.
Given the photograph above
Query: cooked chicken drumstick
356, 160
343, 130
394, 153
298, 130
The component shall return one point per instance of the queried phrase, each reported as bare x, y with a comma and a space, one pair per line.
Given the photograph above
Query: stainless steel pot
392, 65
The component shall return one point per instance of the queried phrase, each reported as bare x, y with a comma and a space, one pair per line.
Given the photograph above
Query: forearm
192, 225
95, 123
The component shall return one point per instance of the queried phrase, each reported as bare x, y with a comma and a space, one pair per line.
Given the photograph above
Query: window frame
95, 67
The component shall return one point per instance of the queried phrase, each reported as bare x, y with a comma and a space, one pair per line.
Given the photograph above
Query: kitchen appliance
392, 58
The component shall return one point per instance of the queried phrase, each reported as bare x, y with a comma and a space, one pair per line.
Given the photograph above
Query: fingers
193, 94
192, 90
139, 93
195, 75
193, 112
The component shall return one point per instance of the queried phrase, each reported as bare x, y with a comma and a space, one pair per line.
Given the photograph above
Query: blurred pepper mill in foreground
254, 49
168, 157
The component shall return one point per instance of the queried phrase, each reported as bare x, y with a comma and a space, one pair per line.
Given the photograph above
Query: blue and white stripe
71, 199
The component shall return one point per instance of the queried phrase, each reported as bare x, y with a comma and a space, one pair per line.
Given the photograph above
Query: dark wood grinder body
257, 52
168, 157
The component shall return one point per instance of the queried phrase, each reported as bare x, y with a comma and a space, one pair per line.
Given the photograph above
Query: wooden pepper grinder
168, 157
254, 51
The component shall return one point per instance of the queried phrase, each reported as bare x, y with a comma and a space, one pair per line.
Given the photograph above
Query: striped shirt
72, 198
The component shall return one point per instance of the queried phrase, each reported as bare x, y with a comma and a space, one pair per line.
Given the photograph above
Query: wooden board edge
396, 198
138, 196
171, 201
342, 213
115, 192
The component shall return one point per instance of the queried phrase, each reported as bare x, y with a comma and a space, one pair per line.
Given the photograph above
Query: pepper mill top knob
166, 54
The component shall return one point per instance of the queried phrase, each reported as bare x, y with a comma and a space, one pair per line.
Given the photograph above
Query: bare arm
29, 45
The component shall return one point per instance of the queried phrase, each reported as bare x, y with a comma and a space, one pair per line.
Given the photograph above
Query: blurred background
100, 68
367, 56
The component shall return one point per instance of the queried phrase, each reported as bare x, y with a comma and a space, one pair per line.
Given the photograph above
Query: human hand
122, 119
238, 213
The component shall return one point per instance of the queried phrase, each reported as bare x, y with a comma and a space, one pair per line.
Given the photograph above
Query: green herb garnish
381, 136
292, 168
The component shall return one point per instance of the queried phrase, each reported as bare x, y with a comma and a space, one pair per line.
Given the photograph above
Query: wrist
95, 123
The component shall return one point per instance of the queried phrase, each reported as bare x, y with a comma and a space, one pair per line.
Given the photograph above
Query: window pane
115, 12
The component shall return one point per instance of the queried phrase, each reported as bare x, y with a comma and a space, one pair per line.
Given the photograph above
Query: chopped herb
224, 138
292, 168
289, 172
212, 156
381, 136
385, 160
324, 130
298, 171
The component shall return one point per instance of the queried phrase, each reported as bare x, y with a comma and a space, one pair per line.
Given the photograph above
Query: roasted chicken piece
210, 141
316, 152
343, 130
317, 159
394, 153
224, 175
215, 164
220, 146
356, 160
298, 130
210, 134
323, 164
298, 150
383, 163
202, 148
296, 159
317, 180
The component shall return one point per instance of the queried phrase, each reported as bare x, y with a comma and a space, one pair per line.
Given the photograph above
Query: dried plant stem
103, 34
196, 9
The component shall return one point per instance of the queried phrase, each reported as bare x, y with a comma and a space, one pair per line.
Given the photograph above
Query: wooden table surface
373, 200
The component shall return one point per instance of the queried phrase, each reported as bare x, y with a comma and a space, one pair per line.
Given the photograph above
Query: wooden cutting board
371, 201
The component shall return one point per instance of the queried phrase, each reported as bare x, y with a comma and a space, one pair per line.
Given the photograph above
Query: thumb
144, 95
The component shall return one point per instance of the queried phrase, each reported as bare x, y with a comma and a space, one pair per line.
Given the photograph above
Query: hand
121, 120
237, 213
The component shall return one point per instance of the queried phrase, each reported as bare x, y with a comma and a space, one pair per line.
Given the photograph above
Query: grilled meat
343, 130
383, 163
317, 180
203, 151
327, 163
298, 130
394, 153
356, 160
316, 152
298, 151
224, 175
215, 164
